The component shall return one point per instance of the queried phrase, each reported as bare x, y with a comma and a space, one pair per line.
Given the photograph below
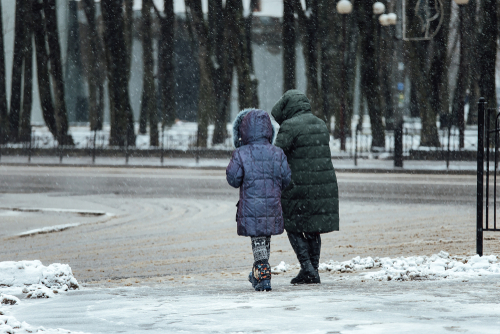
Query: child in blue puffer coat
261, 171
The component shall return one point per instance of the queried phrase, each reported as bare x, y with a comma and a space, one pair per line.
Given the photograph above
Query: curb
338, 170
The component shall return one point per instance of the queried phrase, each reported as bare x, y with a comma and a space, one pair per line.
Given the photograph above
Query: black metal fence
485, 224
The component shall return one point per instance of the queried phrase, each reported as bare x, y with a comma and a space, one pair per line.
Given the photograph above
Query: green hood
291, 104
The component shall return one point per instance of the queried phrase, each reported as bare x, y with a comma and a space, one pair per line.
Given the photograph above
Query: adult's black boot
314, 242
307, 274
300, 246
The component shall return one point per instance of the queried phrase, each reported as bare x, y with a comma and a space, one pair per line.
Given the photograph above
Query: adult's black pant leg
314, 243
300, 246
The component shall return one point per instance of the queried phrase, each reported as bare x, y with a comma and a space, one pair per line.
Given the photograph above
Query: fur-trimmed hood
252, 125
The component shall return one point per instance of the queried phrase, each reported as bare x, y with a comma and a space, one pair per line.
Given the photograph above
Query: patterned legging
261, 247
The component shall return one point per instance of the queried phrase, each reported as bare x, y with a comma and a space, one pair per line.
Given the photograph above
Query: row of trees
35, 25
223, 41
370, 49
223, 44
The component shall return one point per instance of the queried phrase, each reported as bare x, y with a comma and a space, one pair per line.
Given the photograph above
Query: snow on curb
48, 229
10, 325
437, 266
57, 210
20, 274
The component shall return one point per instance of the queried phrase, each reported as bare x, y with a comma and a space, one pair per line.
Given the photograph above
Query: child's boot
252, 279
262, 274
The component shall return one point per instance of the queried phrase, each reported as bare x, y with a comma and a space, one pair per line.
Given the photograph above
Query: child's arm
234, 171
286, 173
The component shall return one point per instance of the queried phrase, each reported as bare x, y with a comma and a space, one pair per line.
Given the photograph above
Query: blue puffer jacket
261, 172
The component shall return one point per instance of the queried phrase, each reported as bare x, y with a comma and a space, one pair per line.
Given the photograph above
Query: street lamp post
344, 7
465, 68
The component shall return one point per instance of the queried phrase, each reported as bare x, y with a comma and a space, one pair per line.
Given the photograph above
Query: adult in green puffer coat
311, 201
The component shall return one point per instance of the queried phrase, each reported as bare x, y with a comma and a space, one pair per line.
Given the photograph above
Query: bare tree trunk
254, 83
385, 64
417, 57
166, 63
429, 135
129, 22
46, 101
308, 23
369, 78
107, 40
94, 76
148, 104
238, 45
17, 70
122, 119
25, 122
329, 36
351, 64
206, 103
462, 79
438, 74
474, 63
487, 43
288, 37
223, 69
4, 116
57, 72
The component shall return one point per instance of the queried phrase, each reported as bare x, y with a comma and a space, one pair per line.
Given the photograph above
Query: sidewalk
341, 165
230, 306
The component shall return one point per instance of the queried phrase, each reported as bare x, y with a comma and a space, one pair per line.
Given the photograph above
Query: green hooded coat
311, 201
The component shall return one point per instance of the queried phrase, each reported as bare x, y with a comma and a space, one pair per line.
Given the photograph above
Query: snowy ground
339, 164
182, 136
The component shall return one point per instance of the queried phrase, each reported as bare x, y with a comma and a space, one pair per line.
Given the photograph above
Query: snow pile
283, 268
8, 299
48, 229
437, 266
10, 325
350, 266
19, 274
36, 291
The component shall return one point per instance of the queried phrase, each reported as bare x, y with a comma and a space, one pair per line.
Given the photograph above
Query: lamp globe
378, 8
344, 7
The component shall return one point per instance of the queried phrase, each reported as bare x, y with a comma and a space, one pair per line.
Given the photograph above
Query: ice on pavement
437, 266
420, 307
48, 229
33, 273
